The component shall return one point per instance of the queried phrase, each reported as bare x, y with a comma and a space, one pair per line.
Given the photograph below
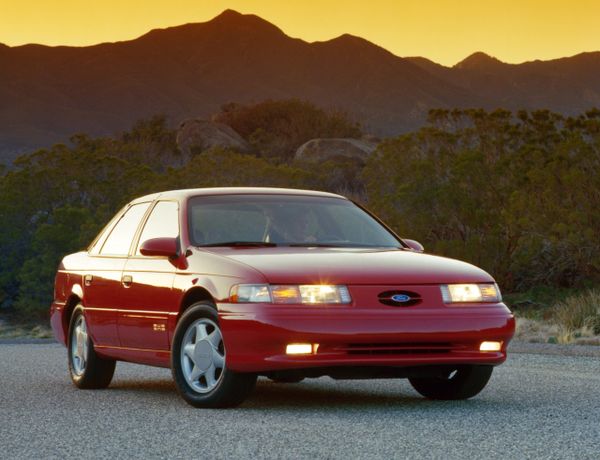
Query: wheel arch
70, 305
194, 295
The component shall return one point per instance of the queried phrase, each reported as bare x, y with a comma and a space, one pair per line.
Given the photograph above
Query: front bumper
256, 335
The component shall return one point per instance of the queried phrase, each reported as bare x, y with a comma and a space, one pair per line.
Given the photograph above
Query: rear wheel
199, 362
87, 369
461, 383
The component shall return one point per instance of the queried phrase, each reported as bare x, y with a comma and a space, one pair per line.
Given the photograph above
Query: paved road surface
536, 406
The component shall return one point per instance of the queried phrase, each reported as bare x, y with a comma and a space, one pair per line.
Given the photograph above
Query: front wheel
87, 369
199, 362
461, 383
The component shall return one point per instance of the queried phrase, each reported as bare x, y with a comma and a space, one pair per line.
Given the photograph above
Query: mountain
480, 62
568, 85
49, 93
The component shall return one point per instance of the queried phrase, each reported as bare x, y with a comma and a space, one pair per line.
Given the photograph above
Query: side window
119, 240
162, 223
101, 238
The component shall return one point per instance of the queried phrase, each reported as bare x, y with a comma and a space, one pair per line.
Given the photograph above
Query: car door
148, 296
102, 280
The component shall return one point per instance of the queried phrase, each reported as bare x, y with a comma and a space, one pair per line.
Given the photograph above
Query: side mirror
414, 245
166, 247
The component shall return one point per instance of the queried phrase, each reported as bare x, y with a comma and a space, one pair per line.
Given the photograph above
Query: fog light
301, 348
490, 346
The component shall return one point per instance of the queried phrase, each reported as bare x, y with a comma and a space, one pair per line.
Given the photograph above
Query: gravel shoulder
554, 349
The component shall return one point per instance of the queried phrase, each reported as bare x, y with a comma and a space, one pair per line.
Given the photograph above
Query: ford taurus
226, 284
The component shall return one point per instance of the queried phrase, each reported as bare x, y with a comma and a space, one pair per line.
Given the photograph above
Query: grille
398, 348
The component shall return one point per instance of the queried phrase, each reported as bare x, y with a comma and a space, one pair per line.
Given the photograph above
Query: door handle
87, 280
126, 280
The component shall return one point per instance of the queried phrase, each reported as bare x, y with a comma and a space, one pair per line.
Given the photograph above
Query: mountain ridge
191, 70
479, 61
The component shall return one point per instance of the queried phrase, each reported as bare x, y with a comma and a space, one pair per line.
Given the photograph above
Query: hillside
49, 93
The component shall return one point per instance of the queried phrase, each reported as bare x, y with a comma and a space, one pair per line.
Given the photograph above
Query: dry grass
535, 331
575, 320
579, 311
541, 331
11, 331
578, 316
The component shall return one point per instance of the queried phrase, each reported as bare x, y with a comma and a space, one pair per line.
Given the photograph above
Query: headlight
243, 293
467, 293
290, 294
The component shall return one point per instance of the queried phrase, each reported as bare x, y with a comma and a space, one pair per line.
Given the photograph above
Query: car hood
353, 266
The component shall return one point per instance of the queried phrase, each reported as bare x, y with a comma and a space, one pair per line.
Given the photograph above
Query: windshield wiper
258, 244
338, 245
314, 245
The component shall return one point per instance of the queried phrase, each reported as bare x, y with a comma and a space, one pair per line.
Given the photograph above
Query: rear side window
162, 223
119, 240
101, 238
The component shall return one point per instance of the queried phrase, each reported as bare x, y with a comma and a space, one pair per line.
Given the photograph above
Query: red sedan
225, 284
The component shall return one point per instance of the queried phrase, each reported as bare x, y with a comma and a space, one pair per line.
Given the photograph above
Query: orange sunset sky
445, 31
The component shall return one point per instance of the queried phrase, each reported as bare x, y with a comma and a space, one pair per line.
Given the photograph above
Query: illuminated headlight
311, 294
467, 293
290, 294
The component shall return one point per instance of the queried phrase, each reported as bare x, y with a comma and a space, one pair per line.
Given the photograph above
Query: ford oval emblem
401, 298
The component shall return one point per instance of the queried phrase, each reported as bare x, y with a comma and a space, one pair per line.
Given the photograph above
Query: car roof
186, 193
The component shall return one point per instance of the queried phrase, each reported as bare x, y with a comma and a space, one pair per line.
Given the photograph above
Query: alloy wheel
79, 346
203, 355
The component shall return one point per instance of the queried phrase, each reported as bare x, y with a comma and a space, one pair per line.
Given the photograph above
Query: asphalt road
535, 406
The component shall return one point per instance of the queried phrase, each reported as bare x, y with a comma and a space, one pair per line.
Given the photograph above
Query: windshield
283, 220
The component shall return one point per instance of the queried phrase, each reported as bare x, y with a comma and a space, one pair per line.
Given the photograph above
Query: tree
517, 195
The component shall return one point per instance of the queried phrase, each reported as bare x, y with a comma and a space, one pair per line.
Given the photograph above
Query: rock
326, 149
197, 135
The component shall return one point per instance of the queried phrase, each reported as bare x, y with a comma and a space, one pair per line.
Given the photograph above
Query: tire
87, 369
199, 362
463, 383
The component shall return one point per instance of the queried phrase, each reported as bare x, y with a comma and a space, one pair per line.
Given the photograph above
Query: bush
277, 128
579, 311
516, 195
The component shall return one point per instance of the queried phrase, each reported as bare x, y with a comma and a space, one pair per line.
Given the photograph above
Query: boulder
326, 149
197, 135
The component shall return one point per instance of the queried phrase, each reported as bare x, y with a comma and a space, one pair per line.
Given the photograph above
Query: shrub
518, 195
278, 128
578, 312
